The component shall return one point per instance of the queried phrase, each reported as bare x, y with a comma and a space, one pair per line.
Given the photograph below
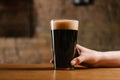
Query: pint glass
64, 38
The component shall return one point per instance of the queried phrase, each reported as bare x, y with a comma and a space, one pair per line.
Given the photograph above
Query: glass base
71, 68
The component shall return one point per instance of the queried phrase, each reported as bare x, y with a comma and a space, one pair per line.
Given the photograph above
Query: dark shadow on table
46, 68
41, 68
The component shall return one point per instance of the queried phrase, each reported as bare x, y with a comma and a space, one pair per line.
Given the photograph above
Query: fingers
78, 60
52, 61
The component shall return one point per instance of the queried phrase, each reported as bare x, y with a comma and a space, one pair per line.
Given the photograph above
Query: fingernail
73, 62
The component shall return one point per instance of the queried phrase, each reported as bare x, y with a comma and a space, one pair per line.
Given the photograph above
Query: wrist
99, 59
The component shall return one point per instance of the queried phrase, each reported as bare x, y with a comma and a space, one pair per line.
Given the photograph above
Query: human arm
92, 58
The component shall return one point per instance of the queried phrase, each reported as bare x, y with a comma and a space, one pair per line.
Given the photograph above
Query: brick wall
99, 29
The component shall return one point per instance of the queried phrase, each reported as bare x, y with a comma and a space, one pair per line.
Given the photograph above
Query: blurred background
25, 27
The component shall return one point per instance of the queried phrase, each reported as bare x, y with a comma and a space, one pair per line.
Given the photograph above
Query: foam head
64, 24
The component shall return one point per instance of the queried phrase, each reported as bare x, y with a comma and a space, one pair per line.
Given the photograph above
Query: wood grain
49, 74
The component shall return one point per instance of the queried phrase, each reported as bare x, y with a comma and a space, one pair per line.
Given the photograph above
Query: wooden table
46, 72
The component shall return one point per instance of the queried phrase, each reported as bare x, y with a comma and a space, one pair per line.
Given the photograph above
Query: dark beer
64, 39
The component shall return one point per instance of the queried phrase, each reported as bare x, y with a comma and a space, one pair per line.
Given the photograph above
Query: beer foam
64, 24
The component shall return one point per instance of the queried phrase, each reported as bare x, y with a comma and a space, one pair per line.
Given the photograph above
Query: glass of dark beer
64, 38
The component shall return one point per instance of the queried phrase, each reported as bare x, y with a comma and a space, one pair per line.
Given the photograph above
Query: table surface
46, 72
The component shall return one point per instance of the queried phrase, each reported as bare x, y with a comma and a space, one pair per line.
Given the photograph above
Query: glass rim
64, 19
70, 24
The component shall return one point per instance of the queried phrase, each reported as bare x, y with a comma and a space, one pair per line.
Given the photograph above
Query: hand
87, 57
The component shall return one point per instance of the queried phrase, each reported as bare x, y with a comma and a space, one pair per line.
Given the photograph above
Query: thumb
78, 60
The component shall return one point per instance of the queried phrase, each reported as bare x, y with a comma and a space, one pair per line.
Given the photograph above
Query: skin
91, 58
